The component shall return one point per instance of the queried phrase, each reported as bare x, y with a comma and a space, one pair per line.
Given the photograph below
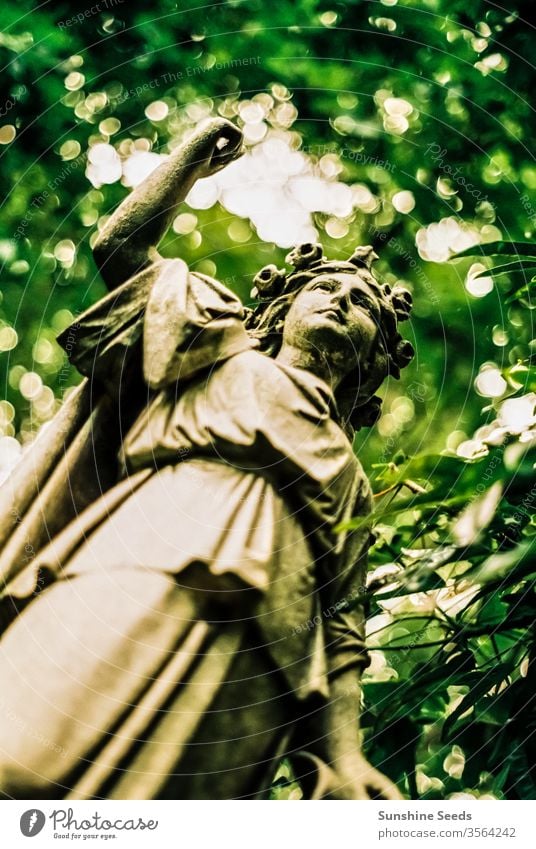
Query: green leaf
483, 683
477, 516
494, 710
499, 249
498, 566
517, 266
420, 574
520, 772
452, 480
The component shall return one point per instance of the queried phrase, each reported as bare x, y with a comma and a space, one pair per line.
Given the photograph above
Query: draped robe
207, 584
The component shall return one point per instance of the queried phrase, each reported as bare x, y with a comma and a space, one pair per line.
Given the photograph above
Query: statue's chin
333, 339
323, 328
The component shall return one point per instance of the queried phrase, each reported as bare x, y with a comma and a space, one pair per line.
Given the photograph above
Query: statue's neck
312, 361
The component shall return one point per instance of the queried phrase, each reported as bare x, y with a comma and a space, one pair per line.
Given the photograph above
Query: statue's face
336, 314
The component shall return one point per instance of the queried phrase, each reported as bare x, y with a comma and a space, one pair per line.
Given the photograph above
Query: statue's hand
357, 779
215, 144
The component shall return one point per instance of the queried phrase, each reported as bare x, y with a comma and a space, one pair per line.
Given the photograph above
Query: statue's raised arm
124, 343
128, 243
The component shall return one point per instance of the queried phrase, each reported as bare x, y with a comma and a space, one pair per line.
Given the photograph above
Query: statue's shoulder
253, 362
256, 380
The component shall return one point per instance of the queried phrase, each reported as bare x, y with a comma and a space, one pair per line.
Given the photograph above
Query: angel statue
182, 606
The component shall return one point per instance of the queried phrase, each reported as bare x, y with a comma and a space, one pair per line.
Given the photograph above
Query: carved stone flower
304, 255
268, 282
363, 256
402, 302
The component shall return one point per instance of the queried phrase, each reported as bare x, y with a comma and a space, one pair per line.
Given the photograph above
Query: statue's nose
342, 299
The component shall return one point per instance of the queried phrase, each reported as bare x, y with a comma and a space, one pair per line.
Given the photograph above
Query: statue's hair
275, 290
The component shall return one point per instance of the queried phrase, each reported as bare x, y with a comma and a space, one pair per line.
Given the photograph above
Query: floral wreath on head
275, 289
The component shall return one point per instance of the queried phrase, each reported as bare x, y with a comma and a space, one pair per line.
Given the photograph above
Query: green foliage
424, 110
456, 613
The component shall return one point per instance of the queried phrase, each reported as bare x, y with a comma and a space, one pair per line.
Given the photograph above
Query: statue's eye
325, 286
360, 299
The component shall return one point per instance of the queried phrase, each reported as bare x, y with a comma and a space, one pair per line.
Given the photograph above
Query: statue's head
340, 310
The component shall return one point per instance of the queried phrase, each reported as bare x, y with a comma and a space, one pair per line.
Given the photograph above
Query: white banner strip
266, 825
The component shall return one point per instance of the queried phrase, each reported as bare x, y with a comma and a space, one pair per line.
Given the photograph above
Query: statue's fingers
231, 134
214, 132
227, 148
214, 143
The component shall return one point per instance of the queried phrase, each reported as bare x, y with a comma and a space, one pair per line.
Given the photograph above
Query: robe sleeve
344, 617
191, 322
343, 595
165, 322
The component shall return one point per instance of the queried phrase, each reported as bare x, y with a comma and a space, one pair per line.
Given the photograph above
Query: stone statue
180, 608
